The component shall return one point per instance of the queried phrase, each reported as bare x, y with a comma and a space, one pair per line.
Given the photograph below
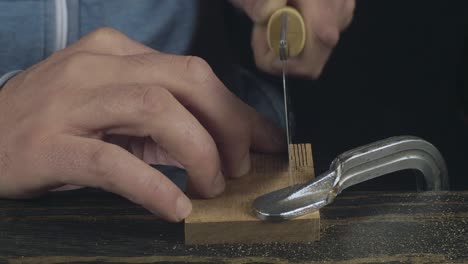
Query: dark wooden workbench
91, 226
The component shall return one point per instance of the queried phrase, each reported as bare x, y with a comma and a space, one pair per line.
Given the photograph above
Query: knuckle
104, 34
329, 36
154, 100
349, 7
199, 69
194, 63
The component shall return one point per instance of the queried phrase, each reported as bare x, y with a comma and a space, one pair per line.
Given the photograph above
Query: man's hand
73, 118
324, 20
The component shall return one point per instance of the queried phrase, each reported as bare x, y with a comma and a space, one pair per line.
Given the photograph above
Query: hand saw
286, 36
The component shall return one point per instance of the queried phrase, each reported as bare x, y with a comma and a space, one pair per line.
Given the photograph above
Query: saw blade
284, 54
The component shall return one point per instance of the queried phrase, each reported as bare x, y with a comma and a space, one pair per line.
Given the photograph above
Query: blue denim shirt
31, 30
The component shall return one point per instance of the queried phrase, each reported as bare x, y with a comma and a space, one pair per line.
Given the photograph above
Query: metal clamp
353, 167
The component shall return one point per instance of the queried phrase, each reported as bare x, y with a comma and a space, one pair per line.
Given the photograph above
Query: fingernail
219, 184
183, 207
244, 166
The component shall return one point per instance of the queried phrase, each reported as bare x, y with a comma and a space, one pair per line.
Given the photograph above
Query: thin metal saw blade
284, 54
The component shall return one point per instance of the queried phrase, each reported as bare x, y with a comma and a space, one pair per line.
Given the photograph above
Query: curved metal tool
353, 167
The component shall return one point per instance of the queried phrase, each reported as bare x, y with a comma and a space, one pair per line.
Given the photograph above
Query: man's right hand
57, 120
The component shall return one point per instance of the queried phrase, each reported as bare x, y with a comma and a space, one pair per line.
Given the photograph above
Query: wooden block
230, 218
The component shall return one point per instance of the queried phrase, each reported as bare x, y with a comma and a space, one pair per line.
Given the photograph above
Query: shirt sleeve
7, 77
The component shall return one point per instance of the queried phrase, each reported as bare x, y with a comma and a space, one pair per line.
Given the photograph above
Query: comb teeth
300, 162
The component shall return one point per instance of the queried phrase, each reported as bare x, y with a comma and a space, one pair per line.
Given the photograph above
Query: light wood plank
230, 219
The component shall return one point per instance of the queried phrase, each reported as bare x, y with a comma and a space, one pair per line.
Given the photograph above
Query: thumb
260, 10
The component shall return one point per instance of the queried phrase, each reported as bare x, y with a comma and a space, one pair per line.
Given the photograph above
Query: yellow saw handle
296, 34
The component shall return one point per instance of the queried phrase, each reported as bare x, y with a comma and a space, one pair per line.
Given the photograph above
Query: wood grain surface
90, 226
229, 218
